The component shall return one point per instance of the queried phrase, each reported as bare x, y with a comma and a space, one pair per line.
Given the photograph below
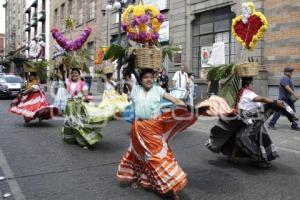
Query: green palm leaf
221, 72
114, 52
230, 89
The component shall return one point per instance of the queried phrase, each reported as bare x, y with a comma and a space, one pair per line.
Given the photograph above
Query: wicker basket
148, 58
29, 67
108, 70
247, 69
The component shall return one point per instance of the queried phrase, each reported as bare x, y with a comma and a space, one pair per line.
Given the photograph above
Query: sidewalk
284, 138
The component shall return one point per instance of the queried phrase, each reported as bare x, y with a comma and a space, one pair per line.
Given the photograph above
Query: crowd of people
149, 160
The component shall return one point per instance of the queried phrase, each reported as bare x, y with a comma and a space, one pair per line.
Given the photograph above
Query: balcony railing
27, 26
28, 10
34, 16
43, 36
34, 23
34, 3
42, 15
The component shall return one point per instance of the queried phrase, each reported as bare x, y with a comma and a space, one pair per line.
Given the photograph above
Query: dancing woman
61, 97
112, 100
77, 127
32, 102
149, 160
245, 135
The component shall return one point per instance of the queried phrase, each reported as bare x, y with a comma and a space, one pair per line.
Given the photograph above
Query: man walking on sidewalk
181, 82
287, 94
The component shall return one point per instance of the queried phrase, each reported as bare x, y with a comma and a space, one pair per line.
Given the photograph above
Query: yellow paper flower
138, 10
153, 10
252, 7
155, 22
156, 29
143, 28
126, 13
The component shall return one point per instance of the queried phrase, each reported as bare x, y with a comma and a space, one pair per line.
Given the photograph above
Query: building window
55, 17
92, 9
80, 12
210, 27
70, 8
43, 28
91, 49
44, 5
62, 13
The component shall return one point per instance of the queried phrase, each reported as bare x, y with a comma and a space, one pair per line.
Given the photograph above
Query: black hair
143, 72
246, 81
108, 76
33, 74
191, 74
76, 69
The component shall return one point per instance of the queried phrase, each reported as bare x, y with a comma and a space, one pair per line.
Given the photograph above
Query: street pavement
38, 165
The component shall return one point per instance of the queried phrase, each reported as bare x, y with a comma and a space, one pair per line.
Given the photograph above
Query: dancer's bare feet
176, 196
232, 156
85, 147
233, 160
264, 164
134, 185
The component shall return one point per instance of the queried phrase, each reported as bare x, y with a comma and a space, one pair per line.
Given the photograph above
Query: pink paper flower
161, 18
71, 45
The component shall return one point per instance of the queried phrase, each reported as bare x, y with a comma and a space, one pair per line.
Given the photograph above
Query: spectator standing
180, 82
164, 80
287, 94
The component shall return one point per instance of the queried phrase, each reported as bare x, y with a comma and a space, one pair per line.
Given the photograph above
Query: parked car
10, 85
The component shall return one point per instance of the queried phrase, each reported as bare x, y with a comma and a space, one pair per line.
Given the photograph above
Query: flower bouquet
248, 28
74, 56
142, 24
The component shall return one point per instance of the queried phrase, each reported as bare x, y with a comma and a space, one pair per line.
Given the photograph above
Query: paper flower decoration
100, 54
142, 23
249, 27
37, 49
71, 45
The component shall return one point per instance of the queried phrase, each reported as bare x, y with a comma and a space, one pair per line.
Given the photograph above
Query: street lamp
119, 6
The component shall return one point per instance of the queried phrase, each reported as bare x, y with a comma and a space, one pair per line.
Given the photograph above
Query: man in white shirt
180, 81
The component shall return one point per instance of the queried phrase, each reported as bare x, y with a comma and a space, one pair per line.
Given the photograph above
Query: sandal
176, 196
85, 147
233, 160
134, 185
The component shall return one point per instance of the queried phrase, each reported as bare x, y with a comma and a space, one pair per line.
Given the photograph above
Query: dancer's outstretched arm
174, 100
268, 100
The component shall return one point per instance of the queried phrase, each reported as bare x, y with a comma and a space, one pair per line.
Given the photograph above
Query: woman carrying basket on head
78, 127
112, 100
149, 160
245, 134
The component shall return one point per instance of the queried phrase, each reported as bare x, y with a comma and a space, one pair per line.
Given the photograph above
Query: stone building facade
14, 29
2, 46
25, 21
194, 24
35, 24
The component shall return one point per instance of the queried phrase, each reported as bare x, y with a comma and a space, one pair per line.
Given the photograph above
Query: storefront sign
218, 54
164, 32
206, 53
160, 4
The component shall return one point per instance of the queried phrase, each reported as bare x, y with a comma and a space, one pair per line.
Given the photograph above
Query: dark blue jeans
89, 85
277, 114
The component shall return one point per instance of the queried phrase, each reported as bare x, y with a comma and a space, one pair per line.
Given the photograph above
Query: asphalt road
38, 165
